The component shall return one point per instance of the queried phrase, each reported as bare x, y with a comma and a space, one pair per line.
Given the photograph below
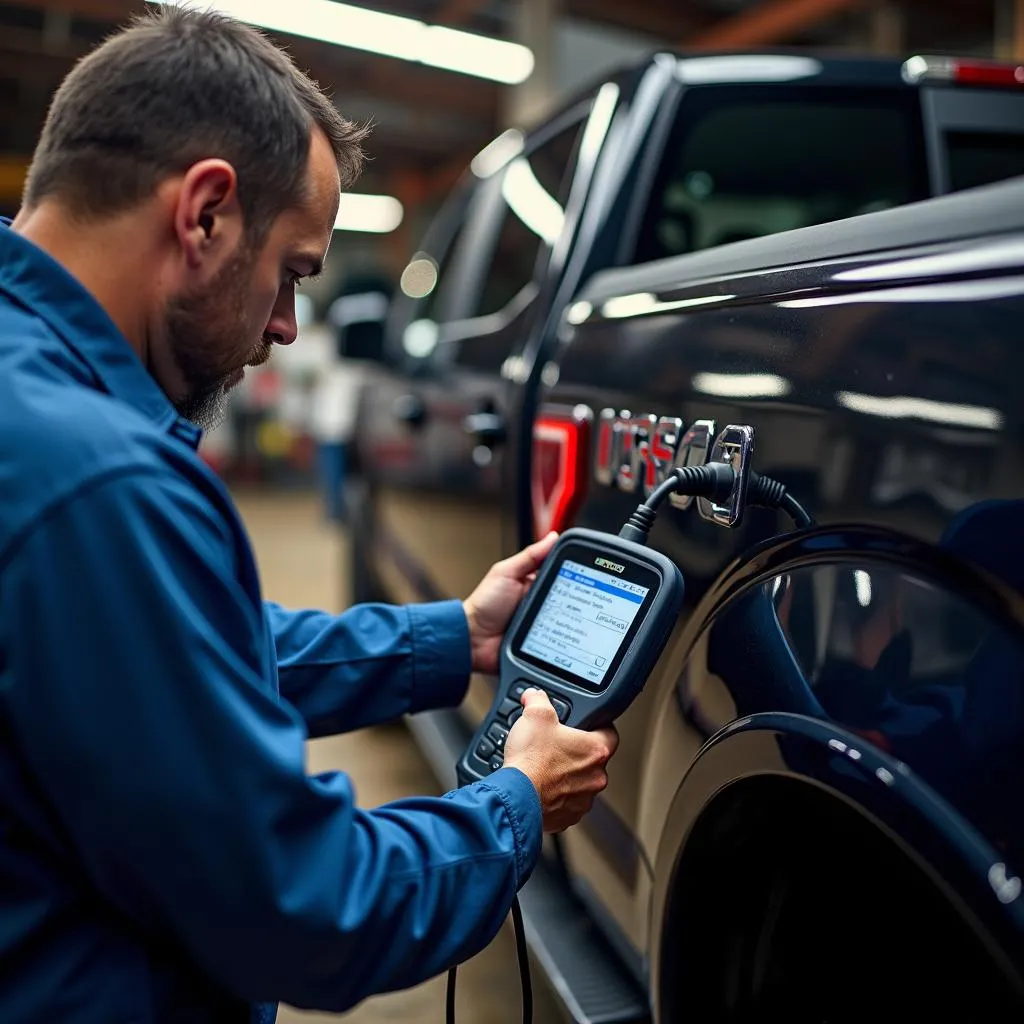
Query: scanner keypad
491, 748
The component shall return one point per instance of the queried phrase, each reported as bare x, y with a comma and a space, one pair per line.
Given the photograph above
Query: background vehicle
815, 806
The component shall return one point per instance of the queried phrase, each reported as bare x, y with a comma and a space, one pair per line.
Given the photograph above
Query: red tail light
964, 72
561, 445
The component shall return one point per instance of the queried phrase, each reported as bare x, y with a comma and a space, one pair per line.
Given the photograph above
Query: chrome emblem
635, 453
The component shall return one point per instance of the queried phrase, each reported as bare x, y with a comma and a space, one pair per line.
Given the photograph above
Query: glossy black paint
881, 359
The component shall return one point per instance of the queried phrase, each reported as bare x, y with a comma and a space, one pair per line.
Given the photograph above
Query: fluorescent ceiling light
391, 35
742, 385
906, 407
361, 212
534, 206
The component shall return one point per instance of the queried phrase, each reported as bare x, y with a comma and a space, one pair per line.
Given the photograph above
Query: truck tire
794, 908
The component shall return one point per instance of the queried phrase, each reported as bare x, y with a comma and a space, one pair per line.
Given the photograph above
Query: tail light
963, 72
561, 445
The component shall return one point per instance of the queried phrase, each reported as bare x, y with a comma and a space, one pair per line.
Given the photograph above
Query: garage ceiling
429, 122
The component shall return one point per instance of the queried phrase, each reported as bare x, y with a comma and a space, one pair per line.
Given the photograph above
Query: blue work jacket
164, 855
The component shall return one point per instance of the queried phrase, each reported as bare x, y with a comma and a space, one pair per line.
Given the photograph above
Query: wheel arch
770, 773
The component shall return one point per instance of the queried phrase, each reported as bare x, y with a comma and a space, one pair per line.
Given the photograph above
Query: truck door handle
486, 427
410, 409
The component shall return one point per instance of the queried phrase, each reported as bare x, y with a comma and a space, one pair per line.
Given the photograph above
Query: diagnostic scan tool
588, 633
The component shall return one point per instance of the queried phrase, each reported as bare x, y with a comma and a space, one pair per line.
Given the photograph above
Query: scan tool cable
714, 481
523, 958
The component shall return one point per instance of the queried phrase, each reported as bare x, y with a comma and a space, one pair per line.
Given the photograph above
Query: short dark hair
174, 87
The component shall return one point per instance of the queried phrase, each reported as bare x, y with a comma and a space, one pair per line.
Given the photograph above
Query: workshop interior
730, 294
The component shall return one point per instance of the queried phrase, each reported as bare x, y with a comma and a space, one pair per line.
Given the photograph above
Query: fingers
524, 562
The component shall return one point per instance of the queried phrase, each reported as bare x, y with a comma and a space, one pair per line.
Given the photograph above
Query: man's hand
566, 766
490, 607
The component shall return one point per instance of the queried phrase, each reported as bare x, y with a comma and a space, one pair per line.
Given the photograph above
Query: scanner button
508, 707
517, 691
497, 735
515, 716
560, 706
484, 749
496, 762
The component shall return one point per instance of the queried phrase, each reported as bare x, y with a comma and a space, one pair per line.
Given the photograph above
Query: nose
282, 328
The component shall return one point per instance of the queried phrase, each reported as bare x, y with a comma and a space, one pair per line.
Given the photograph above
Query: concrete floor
301, 561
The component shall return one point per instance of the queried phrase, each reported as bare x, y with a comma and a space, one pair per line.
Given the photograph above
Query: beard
209, 335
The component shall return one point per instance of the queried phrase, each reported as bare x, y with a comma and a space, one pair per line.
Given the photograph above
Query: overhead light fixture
359, 211
391, 35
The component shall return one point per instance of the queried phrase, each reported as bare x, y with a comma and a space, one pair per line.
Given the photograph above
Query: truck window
980, 158
535, 188
744, 161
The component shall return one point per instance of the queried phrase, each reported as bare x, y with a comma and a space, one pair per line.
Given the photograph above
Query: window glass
535, 189
744, 162
979, 158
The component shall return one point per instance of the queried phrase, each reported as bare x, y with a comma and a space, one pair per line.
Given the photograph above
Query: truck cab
812, 249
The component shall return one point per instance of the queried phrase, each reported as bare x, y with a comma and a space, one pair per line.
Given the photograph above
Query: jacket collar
36, 281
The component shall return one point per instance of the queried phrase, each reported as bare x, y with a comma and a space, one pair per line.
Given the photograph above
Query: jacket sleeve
370, 664
133, 687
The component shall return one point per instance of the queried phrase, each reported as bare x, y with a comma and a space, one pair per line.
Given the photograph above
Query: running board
582, 969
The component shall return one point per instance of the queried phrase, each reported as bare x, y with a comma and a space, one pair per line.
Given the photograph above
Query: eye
295, 278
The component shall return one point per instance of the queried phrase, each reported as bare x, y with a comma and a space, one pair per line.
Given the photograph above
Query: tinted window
979, 158
743, 162
535, 189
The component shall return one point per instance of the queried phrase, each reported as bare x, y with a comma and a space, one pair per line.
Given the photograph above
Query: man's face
214, 331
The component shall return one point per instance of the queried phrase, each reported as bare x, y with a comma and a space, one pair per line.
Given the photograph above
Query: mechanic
164, 855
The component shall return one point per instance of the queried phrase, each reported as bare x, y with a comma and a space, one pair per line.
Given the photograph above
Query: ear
208, 220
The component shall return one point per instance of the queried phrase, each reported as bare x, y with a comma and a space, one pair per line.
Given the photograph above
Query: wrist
473, 630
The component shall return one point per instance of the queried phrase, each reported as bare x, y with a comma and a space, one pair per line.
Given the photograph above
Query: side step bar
581, 967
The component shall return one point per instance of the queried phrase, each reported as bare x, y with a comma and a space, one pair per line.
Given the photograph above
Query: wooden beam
12, 178
771, 21
662, 19
113, 11
458, 12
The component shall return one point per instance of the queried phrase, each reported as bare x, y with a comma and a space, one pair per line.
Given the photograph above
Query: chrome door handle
486, 427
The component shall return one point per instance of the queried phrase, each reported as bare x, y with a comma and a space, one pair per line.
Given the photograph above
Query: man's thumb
536, 698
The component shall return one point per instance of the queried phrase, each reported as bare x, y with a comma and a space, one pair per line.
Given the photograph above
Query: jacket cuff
441, 655
522, 806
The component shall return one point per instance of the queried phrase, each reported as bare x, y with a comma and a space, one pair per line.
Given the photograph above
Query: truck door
433, 433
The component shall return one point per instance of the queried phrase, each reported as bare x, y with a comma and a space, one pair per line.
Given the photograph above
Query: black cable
522, 955
449, 1011
769, 493
714, 481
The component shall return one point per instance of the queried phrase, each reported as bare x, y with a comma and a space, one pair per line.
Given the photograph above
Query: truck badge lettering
637, 452
614, 566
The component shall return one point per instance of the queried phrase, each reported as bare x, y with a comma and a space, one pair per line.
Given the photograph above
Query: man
163, 854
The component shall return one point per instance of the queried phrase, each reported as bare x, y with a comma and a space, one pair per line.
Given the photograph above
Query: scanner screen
584, 620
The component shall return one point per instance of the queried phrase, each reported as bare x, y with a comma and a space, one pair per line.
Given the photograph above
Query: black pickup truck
817, 809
